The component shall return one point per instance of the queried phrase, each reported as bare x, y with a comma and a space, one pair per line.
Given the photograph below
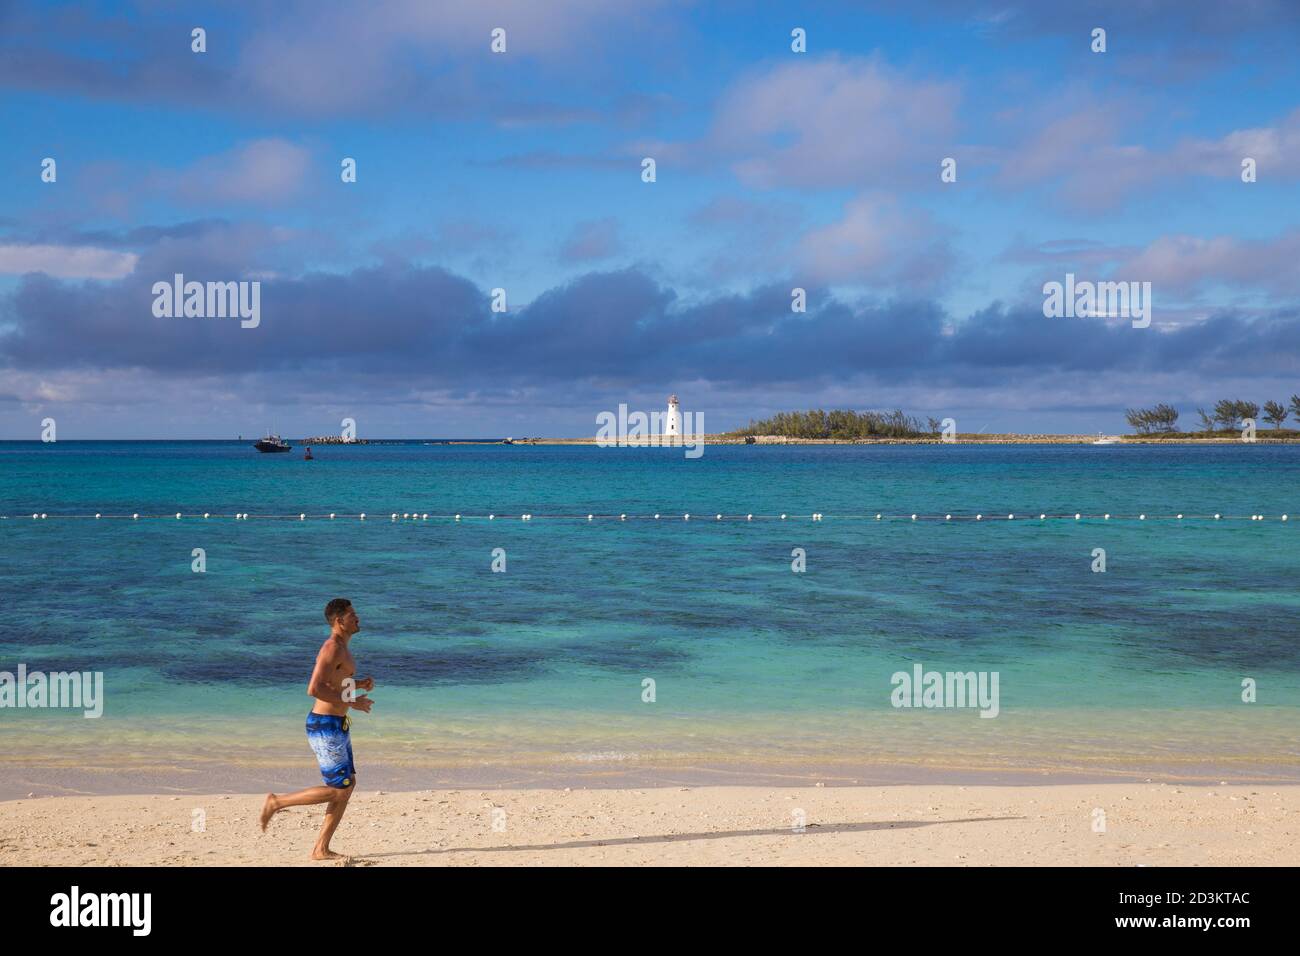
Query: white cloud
325, 58
1084, 150
262, 171
876, 242
66, 262
590, 240
833, 122
1188, 263
1276, 149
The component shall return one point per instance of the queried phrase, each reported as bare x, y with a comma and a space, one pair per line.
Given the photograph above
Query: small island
1231, 421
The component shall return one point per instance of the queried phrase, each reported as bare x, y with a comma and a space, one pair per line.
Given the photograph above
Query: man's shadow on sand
812, 828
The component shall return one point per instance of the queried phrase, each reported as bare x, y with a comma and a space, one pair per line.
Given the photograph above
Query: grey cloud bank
415, 334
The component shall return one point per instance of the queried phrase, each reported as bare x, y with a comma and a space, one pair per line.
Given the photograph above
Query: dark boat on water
272, 443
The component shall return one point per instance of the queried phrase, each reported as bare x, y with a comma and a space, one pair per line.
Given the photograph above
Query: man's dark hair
336, 608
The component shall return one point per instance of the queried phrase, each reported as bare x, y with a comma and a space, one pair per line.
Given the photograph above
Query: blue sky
521, 170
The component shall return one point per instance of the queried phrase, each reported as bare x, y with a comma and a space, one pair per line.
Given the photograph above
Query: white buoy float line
623, 516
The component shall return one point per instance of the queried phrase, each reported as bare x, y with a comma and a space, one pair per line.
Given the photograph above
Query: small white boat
1103, 440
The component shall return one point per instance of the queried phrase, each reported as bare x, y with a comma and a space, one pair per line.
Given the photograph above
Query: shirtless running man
328, 727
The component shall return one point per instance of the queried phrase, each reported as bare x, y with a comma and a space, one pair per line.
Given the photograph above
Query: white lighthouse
673, 420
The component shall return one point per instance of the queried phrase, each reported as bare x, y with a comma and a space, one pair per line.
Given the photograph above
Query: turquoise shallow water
1136, 667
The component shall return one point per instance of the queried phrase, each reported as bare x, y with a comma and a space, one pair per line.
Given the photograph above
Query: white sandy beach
1144, 824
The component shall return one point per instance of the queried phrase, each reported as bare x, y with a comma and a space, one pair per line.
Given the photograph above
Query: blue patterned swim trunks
332, 744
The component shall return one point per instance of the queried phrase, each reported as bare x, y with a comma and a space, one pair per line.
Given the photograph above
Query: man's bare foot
325, 855
268, 810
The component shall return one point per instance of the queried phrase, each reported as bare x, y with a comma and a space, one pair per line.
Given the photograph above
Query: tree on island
1275, 413
1229, 413
840, 424
1162, 418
